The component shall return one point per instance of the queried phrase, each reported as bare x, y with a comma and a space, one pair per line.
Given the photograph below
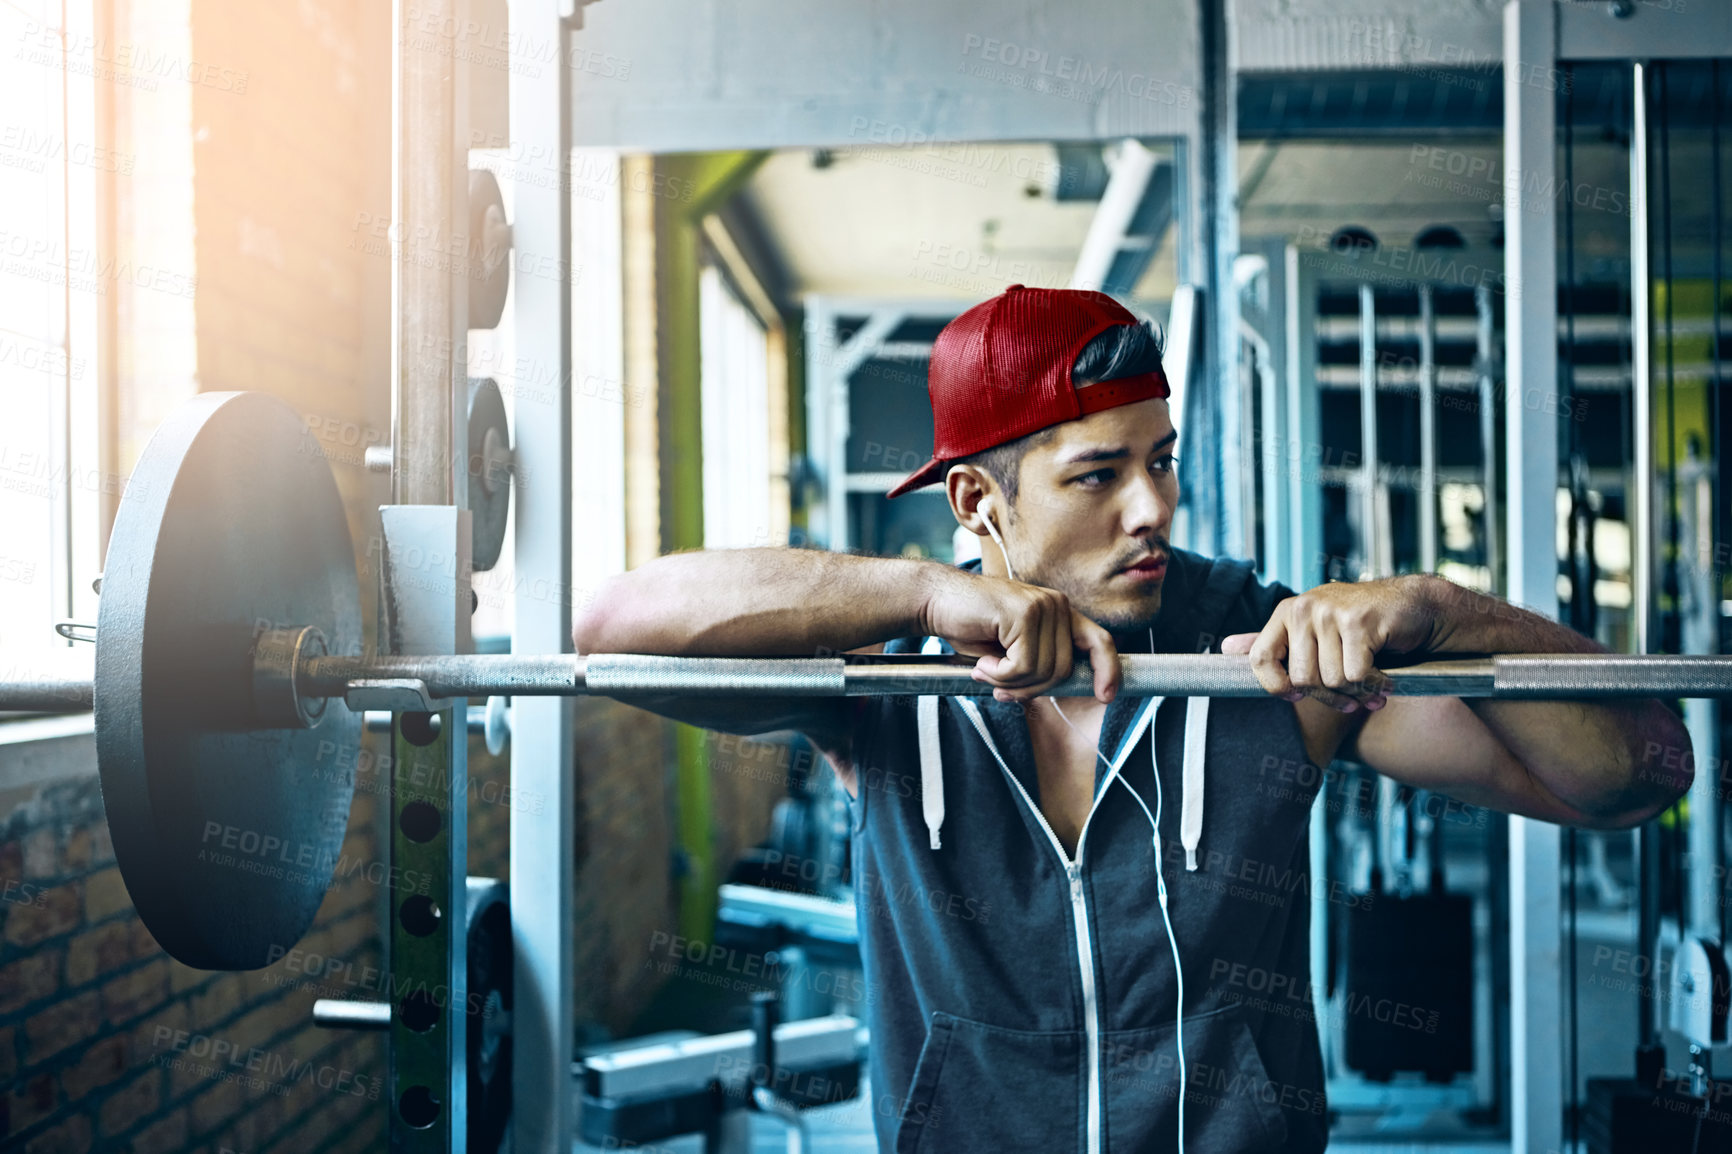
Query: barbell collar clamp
278, 656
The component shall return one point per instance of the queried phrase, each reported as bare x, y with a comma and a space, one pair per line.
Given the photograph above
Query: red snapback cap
1001, 371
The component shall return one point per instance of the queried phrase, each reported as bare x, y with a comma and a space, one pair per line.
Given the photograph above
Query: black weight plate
225, 835
488, 510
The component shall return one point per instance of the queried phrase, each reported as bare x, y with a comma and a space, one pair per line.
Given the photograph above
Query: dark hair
1121, 351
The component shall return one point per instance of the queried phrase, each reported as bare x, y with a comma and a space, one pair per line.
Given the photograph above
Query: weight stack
1409, 987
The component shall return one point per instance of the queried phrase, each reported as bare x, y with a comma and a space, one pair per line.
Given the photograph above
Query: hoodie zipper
1078, 901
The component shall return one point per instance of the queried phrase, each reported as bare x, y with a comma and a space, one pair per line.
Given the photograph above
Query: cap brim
919, 478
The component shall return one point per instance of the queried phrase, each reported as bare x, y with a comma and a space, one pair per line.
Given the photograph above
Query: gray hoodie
1020, 1001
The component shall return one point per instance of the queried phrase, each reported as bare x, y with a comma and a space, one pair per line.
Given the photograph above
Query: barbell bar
434, 682
1523, 676
228, 690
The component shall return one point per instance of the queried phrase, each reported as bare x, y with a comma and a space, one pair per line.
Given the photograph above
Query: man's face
1093, 509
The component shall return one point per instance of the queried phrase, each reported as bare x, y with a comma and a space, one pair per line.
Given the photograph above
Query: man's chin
1129, 616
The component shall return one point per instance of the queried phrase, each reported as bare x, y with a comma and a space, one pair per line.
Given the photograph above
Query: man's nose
1147, 509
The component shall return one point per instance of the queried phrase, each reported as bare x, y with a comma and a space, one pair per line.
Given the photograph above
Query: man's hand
1025, 636
1323, 644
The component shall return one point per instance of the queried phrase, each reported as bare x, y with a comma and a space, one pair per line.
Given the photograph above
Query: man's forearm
1615, 761
759, 602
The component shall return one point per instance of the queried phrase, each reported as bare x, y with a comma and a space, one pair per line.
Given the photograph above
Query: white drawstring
1191, 796
931, 764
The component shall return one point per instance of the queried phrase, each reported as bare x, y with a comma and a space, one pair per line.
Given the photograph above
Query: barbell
299, 684
229, 680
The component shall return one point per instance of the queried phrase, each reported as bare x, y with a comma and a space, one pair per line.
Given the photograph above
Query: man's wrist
1455, 615
1465, 620
1438, 600
933, 581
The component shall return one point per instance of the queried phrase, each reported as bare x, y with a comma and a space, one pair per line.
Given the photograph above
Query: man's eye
1095, 479
1165, 465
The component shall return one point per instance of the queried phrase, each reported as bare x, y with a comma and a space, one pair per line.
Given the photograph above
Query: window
736, 419
53, 486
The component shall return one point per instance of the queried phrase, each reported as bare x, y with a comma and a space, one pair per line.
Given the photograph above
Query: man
1046, 887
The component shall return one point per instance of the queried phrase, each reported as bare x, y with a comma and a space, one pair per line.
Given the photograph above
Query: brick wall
108, 1044
624, 886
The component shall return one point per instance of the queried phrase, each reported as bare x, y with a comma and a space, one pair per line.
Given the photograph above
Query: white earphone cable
1155, 826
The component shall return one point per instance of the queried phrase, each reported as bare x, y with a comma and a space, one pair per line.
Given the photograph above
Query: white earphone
1154, 825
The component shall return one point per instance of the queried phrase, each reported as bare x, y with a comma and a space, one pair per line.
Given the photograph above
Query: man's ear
972, 495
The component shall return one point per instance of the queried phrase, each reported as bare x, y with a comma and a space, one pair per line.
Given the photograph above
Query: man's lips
1148, 567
